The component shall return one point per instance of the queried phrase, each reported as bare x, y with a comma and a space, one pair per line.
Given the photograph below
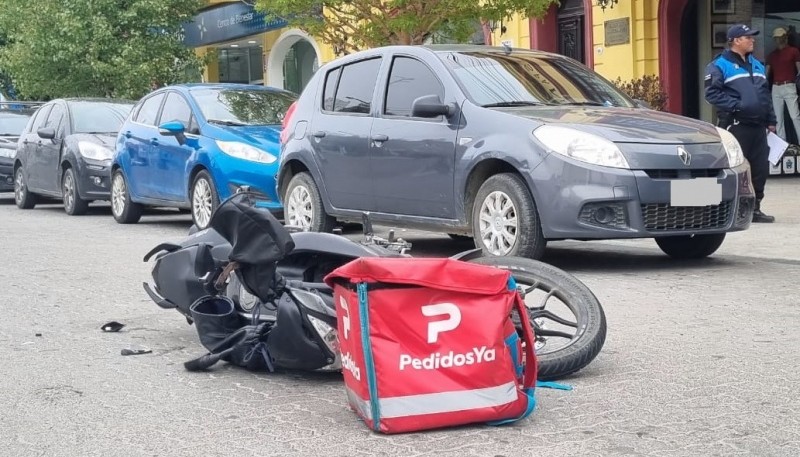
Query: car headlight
94, 151
245, 152
732, 148
581, 146
8, 153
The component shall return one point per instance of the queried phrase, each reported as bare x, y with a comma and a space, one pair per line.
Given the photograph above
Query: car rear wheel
303, 207
123, 209
74, 205
23, 198
690, 246
505, 221
204, 200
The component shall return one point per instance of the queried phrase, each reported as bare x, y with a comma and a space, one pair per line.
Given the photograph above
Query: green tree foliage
117, 48
351, 25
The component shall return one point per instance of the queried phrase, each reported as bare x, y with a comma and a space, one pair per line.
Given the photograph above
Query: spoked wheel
23, 198
74, 205
204, 200
568, 322
124, 210
304, 207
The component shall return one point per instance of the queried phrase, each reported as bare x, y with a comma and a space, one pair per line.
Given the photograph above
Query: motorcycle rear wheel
583, 334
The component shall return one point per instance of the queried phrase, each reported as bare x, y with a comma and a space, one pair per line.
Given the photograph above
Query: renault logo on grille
684, 155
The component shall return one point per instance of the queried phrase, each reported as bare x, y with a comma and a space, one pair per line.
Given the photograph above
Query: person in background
736, 84
783, 66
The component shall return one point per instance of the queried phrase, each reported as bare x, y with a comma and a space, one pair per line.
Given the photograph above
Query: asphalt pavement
701, 357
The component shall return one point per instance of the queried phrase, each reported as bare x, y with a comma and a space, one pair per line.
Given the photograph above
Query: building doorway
299, 66
570, 21
292, 61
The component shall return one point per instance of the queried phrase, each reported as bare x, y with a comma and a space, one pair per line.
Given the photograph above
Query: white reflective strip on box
448, 402
361, 405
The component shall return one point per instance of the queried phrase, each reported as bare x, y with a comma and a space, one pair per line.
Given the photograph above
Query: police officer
736, 84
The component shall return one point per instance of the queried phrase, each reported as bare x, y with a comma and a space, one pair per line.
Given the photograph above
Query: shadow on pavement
583, 256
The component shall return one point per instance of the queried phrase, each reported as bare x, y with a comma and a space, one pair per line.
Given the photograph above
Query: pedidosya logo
450, 359
347, 359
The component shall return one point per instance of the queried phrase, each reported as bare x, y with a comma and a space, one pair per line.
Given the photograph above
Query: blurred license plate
695, 192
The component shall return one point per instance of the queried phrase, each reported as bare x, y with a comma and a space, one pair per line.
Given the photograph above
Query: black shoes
758, 216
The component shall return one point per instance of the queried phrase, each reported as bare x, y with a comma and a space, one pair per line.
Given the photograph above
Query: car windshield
98, 117
13, 124
527, 79
243, 106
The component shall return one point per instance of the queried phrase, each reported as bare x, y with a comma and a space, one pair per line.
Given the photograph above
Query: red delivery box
428, 343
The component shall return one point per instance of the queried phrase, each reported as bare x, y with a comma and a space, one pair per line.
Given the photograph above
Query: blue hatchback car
191, 146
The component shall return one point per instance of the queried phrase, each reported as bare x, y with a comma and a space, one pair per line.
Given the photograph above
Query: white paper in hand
776, 147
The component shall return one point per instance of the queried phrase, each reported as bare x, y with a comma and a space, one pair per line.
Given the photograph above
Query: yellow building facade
243, 47
671, 39
627, 39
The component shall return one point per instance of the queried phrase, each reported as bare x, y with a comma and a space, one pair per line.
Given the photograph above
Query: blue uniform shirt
739, 90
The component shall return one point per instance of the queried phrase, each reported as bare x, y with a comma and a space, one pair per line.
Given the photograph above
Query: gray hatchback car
513, 147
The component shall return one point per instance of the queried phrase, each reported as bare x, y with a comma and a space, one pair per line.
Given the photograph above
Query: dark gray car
513, 147
14, 116
65, 152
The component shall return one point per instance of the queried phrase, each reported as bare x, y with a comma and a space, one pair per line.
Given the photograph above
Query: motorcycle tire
590, 328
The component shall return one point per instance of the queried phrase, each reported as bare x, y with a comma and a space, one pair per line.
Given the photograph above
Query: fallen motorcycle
263, 282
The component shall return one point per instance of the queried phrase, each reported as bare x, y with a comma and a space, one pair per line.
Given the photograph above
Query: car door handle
128, 134
380, 138
319, 134
154, 141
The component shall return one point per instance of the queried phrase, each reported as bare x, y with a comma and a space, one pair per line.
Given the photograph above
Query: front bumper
94, 179
592, 202
6, 174
232, 174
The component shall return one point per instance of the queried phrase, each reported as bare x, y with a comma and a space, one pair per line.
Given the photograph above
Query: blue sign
227, 22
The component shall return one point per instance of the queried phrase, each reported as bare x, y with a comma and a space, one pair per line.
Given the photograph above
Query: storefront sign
618, 31
228, 22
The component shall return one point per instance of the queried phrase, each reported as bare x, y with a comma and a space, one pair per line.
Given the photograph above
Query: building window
241, 65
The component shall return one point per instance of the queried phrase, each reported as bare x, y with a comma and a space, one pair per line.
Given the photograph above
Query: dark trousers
753, 140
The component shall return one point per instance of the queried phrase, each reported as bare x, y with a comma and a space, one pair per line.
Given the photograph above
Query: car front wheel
505, 221
690, 246
74, 205
204, 200
304, 208
23, 198
123, 209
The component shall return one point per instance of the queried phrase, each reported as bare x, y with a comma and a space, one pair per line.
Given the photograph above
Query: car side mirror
642, 104
430, 106
173, 128
47, 133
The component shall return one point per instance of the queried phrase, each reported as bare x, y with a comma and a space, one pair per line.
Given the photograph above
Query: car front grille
660, 217
683, 174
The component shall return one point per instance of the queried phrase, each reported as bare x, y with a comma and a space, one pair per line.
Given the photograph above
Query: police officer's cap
740, 30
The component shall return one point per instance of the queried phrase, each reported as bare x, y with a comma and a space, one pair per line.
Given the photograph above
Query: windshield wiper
589, 104
226, 122
511, 103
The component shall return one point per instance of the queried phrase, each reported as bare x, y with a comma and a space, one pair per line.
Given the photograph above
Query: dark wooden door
571, 30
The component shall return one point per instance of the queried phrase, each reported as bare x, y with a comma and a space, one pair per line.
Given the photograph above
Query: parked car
14, 116
513, 147
65, 152
191, 146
